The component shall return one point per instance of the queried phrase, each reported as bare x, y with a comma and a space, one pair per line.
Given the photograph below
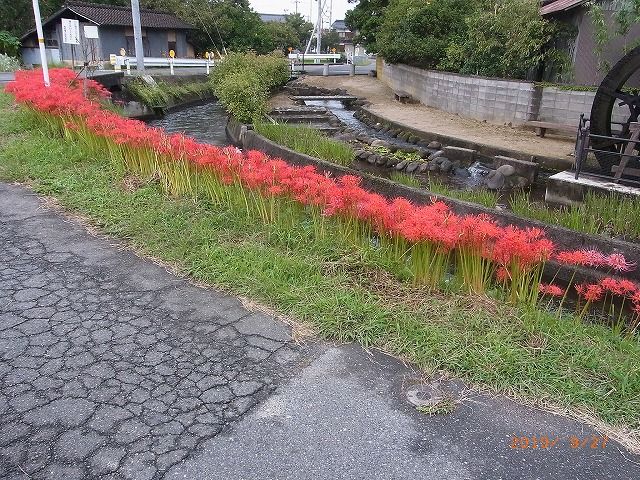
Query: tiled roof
121, 16
339, 25
560, 6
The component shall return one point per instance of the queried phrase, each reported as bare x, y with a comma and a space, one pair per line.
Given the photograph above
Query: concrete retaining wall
493, 99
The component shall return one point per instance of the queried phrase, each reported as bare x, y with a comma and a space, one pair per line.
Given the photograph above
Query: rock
434, 145
423, 167
424, 153
496, 181
412, 167
401, 165
517, 181
379, 143
424, 143
414, 139
437, 154
455, 164
439, 160
364, 155
433, 166
373, 159
381, 160
506, 170
392, 161
461, 172
407, 150
446, 165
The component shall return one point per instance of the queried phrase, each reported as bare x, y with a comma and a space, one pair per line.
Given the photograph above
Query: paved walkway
110, 367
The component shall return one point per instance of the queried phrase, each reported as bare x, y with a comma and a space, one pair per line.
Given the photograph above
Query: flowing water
206, 123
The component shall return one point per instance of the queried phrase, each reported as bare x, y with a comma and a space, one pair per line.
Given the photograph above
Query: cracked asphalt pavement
111, 367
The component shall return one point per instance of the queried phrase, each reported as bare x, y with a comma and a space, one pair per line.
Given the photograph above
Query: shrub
507, 40
243, 95
417, 33
9, 45
8, 64
243, 81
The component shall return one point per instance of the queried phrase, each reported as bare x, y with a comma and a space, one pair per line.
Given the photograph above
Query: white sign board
70, 31
90, 31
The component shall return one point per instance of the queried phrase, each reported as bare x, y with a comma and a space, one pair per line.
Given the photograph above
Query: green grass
612, 215
306, 140
346, 296
405, 179
488, 198
163, 93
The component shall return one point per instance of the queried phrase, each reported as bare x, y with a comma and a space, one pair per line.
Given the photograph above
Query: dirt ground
437, 121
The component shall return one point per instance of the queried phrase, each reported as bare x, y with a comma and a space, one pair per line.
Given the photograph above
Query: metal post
319, 39
171, 65
352, 69
43, 52
207, 66
128, 64
137, 34
325, 70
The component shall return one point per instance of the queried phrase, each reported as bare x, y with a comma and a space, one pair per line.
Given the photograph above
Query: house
273, 17
346, 41
161, 32
587, 64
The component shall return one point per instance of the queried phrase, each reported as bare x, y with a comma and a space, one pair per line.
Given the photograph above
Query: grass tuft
306, 140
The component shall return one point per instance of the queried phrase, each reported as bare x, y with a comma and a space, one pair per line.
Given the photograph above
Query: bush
243, 95
9, 45
507, 40
243, 81
8, 64
417, 33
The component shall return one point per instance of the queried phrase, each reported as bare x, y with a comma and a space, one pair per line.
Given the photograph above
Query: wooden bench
542, 127
402, 97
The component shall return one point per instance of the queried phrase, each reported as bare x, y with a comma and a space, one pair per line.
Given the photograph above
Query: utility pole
297, 2
319, 38
43, 52
137, 34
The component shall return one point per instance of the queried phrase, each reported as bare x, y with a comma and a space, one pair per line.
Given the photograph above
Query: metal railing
624, 153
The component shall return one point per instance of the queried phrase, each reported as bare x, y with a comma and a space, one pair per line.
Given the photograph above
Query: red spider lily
591, 258
590, 292
551, 290
624, 288
619, 263
430, 232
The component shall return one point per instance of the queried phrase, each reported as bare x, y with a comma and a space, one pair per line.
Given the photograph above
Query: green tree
281, 35
302, 28
366, 19
9, 44
506, 39
329, 40
418, 33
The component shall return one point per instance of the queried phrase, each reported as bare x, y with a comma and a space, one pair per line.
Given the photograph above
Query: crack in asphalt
112, 367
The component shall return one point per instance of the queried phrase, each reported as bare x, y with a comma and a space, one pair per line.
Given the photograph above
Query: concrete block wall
493, 99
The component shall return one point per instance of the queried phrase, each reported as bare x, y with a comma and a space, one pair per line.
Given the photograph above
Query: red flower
552, 290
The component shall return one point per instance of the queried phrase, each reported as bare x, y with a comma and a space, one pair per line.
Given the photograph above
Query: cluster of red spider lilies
429, 241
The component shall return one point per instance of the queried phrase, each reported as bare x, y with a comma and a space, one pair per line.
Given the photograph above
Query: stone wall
495, 100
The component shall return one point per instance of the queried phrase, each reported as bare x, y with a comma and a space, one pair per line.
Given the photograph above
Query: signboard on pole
70, 31
90, 31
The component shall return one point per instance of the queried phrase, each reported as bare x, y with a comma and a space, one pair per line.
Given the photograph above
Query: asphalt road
111, 367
